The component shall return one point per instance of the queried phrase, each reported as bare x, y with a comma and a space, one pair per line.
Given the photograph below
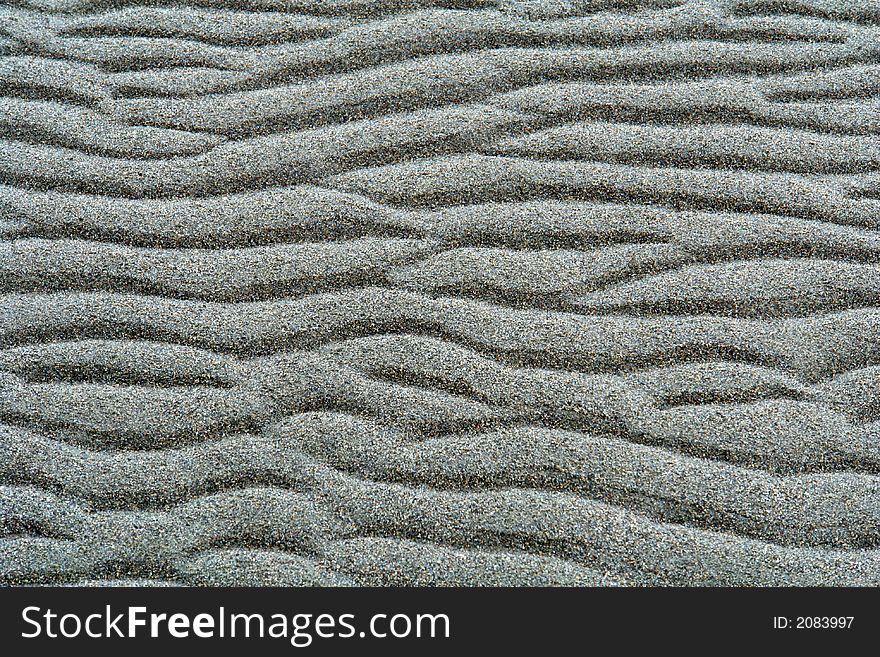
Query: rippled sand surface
440, 292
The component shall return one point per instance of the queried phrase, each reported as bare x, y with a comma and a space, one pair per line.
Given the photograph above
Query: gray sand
440, 292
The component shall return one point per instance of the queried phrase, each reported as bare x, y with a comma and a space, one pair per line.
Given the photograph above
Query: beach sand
440, 292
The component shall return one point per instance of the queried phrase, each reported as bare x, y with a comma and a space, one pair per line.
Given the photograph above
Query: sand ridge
440, 292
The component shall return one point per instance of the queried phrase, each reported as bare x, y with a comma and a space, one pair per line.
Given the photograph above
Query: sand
440, 292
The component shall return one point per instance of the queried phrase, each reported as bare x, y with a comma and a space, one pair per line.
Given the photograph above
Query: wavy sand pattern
440, 292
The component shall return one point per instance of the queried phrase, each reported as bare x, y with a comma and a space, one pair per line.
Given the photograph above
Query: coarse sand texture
440, 292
